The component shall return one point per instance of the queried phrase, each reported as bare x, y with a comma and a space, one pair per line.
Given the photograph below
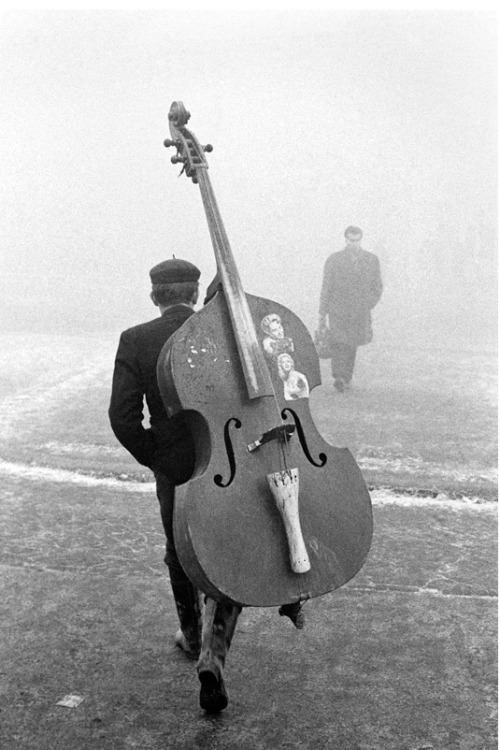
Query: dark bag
322, 342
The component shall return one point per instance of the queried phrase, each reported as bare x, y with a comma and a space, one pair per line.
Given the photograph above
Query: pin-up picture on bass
273, 514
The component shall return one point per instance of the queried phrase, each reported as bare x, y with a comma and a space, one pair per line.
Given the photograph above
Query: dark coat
167, 445
352, 286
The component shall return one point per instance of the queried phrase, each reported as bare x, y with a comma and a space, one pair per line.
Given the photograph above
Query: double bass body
229, 534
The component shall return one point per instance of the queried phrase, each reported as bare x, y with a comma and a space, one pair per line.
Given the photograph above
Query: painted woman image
294, 383
275, 342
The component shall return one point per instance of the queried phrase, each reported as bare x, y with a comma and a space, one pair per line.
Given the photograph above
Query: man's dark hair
175, 293
353, 230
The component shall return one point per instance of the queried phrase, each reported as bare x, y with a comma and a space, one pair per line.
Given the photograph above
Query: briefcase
322, 342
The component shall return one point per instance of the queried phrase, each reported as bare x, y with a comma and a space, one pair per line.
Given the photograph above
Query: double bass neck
257, 379
191, 154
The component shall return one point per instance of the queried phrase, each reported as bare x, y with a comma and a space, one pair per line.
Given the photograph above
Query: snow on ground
53, 399
381, 496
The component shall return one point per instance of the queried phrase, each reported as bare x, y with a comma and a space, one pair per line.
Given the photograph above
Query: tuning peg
167, 143
208, 147
177, 160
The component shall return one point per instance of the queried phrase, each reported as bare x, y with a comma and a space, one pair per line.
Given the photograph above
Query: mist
385, 120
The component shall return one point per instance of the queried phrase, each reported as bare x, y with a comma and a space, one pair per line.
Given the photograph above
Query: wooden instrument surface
230, 539
242, 370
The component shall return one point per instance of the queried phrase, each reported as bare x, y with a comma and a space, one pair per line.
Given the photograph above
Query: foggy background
385, 120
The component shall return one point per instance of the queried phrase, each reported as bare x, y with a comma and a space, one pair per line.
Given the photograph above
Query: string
257, 369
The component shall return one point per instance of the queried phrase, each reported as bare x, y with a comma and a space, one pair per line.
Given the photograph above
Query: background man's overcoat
352, 286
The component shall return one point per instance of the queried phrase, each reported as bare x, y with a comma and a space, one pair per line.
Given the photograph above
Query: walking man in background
352, 286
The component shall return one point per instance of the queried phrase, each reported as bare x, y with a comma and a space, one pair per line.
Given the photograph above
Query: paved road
402, 657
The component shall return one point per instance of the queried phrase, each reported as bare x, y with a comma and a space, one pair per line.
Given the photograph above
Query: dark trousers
343, 360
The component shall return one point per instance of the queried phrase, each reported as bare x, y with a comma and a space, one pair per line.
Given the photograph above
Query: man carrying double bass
167, 448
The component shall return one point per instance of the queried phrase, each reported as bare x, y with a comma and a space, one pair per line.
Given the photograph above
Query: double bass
273, 514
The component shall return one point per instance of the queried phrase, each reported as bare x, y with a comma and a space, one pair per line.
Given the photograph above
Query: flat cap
173, 270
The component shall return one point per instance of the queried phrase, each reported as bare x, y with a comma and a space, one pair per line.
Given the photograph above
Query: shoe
182, 642
213, 695
339, 385
294, 612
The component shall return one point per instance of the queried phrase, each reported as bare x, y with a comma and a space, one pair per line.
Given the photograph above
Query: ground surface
402, 657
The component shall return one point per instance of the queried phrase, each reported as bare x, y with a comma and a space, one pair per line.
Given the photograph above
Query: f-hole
302, 439
218, 479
